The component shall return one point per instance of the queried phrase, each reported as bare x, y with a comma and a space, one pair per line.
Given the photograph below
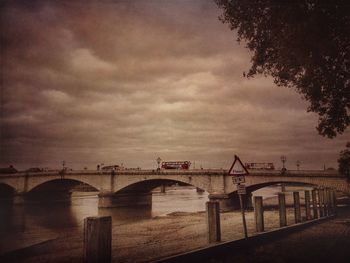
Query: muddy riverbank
146, 240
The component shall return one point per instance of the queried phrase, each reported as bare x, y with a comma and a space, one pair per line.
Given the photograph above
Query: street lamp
158, 162
283, 159
298, 164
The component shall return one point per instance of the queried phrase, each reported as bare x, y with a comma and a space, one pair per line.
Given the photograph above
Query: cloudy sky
127, 81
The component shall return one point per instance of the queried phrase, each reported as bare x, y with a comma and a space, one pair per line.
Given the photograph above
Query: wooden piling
259, 214
213, 221
282, 209
307, 205
325, 202
297, 211
97, 239
314, 204
331, 200
334, 202
331, 208
320, 202
162, 188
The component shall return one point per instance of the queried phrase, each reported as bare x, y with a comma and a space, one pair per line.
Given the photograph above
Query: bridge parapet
318, 173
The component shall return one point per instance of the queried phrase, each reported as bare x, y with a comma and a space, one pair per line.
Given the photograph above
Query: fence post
297, 212
162, 188
334, 201
329, 203
213, 221
325, 201
282, 209
314, 203
307, 205
97, 239
320, 201
259, 213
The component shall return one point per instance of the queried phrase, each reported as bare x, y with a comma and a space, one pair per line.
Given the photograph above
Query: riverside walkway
328, 241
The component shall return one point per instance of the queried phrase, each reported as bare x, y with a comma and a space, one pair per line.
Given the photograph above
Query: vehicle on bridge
111, 167
8, 170
260, 166
183, 165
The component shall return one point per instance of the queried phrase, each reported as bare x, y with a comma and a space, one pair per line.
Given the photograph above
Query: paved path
328, 242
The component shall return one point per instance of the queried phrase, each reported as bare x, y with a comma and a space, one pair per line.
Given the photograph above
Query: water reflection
31, 221
43, 219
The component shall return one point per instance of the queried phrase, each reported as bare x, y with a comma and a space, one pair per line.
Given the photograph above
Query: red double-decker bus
184, 165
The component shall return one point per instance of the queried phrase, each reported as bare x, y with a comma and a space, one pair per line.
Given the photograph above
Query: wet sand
146, 240
150, 239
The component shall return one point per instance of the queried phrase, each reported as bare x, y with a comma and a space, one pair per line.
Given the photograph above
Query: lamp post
283, 159
298, 164
158, 162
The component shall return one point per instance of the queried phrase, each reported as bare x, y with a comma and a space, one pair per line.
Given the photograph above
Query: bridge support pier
110, 200
231, 202
224, 200
19, 199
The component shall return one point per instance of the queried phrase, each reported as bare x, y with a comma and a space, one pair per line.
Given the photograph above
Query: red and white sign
238, 171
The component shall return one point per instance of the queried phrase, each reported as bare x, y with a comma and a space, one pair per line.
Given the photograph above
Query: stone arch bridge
133, 187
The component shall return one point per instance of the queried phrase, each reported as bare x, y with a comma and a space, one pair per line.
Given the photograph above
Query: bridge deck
196, 172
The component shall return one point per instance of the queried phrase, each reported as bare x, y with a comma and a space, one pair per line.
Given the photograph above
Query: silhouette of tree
303, 44
344, 161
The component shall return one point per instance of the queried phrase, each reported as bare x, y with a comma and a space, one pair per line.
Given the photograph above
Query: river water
25, 225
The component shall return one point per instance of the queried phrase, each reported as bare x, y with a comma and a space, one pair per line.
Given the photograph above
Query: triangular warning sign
237, 168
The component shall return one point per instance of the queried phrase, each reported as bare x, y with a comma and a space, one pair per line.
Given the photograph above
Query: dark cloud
127, 81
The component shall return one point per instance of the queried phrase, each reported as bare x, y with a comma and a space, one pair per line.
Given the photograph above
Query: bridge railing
306, 173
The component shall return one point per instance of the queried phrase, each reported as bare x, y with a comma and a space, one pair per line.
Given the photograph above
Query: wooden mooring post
331, 201
297, 211
320, 202
282, 209
326, 202
307, 205
213, 221
162, 188
259, 214
334, 202
97, 239
314, 204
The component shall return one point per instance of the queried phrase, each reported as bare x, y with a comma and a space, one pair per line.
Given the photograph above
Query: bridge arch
42, 183
202, 182
136, 193
57, 185
149, 185
255, 187
336, 183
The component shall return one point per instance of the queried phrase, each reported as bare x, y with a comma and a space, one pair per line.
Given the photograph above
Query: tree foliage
303, 44
344, 161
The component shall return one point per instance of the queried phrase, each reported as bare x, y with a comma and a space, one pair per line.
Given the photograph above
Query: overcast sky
128, 81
